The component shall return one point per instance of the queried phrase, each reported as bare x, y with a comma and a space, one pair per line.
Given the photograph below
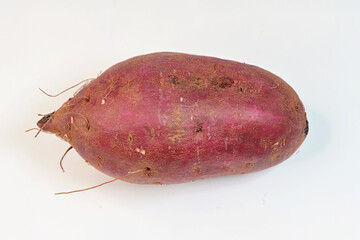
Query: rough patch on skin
197, 82
176, 132
222, 82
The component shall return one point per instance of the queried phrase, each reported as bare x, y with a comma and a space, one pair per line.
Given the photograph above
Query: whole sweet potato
181, 117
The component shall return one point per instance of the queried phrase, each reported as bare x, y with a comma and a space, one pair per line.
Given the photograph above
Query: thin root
113, 180
62, 158
86, 80
31, 129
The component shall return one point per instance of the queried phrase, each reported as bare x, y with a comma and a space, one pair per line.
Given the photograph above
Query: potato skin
182, 117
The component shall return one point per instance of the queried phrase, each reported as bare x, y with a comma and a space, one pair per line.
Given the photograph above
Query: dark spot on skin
248, 165
306, 129
198, 129
222, 82
297, 108
149, 172
241, 89
46, 118
174, 80
88, 124
130, 138
87, 99
154, 67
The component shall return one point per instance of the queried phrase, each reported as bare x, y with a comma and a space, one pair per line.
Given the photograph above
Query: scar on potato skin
196, 170
130, 138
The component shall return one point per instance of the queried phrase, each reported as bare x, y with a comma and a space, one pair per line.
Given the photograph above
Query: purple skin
181, 117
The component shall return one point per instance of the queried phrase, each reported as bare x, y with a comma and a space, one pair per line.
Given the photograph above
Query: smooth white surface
313, 45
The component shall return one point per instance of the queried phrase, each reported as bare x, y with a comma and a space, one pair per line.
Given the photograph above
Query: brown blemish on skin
99, 160
196, 170
130, 138
149, 172
241, 89
174, 79
198, 129
248, 165
197, 82
222, 82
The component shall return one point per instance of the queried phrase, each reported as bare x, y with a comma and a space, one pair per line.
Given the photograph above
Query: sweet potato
181, 117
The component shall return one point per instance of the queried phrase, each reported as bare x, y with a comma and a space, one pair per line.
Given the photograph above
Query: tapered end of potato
45, 122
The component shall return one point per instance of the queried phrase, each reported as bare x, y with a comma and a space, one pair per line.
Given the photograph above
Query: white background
313, 45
